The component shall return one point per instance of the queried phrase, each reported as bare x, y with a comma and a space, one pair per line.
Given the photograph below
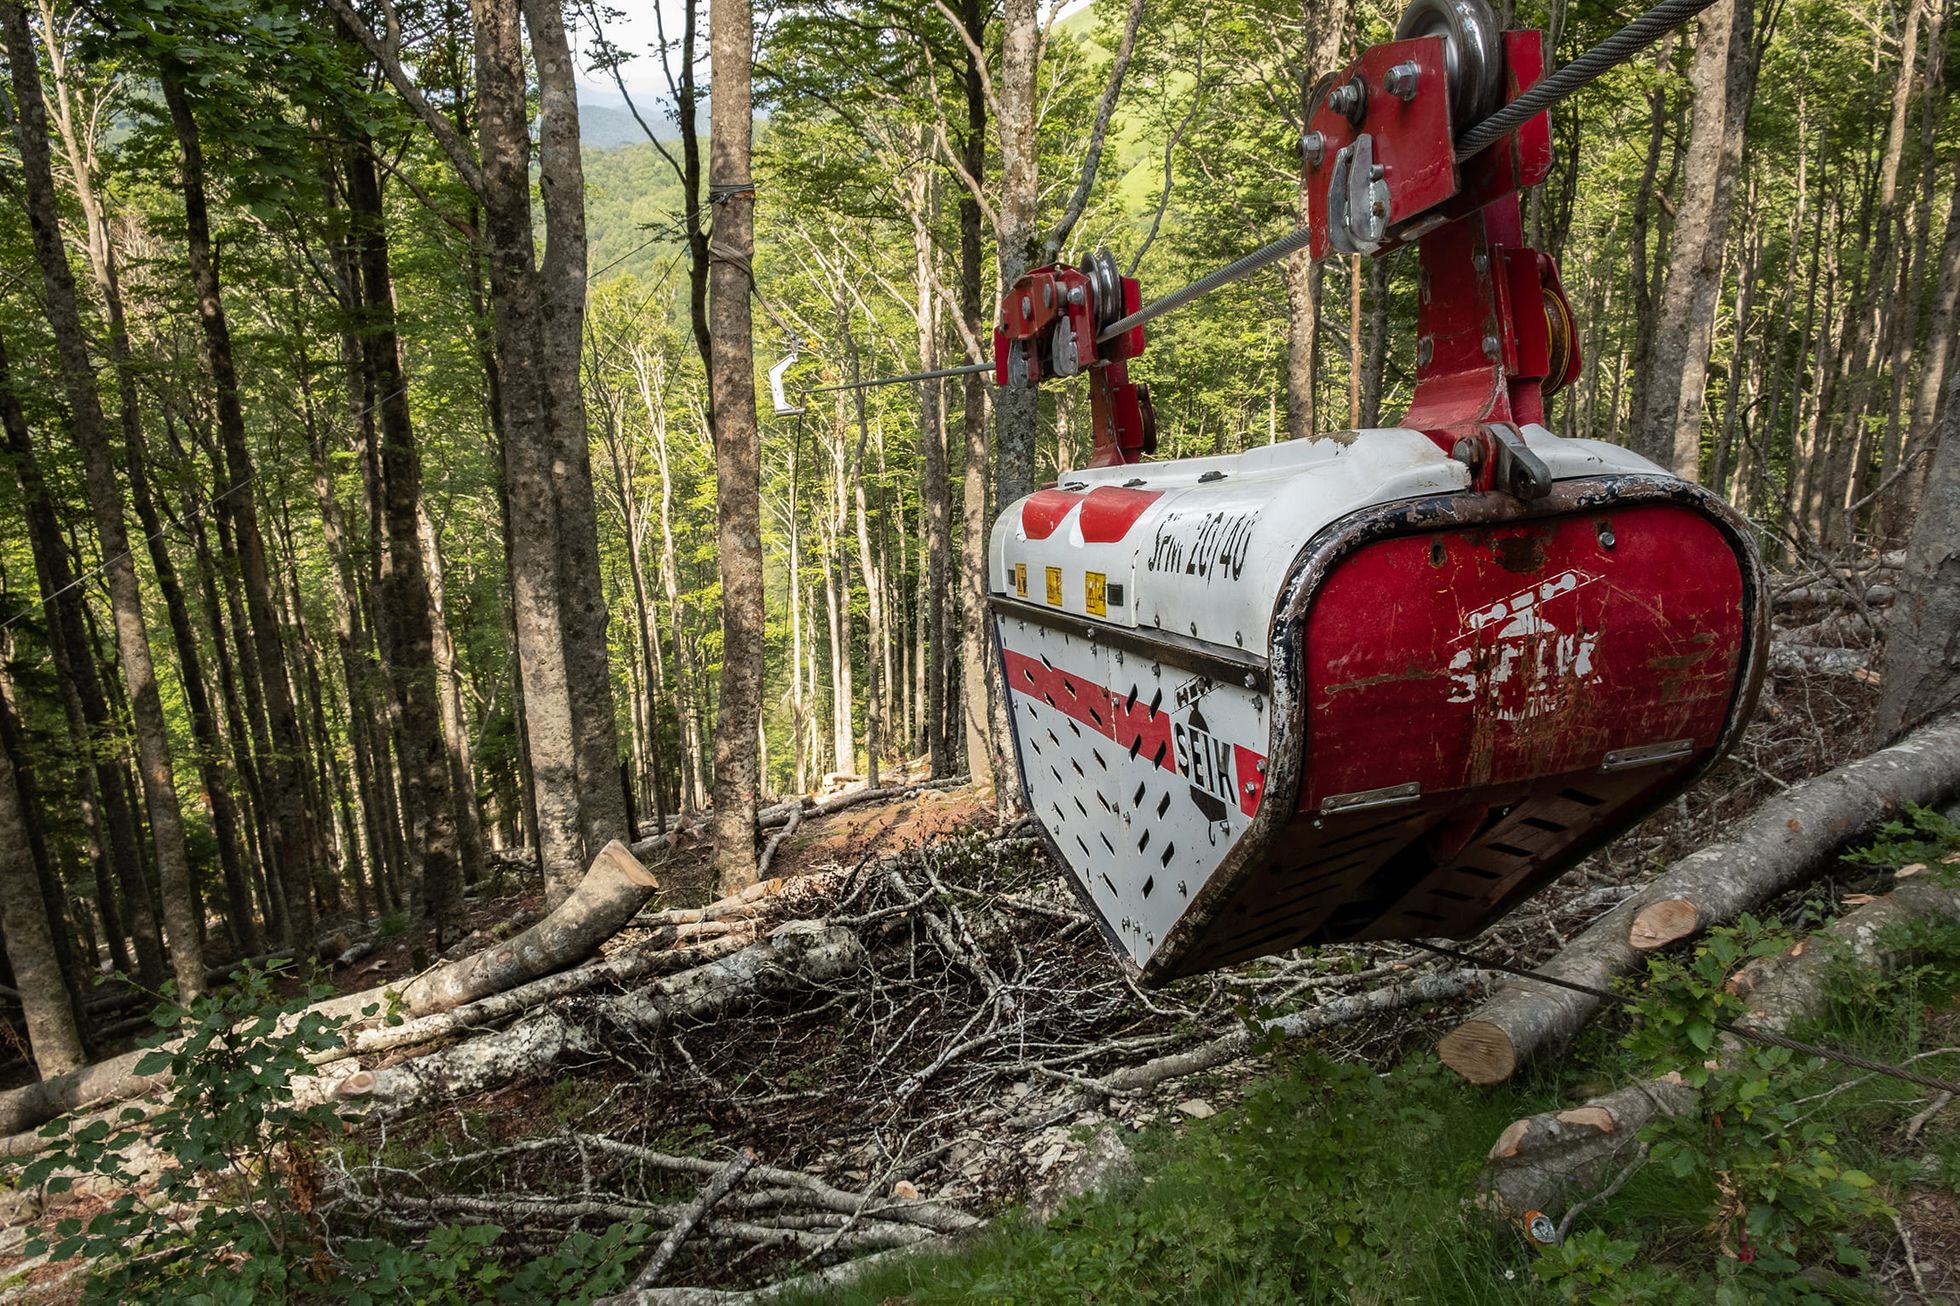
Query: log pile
1547, 1162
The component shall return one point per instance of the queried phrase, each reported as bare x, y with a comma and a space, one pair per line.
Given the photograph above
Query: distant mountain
603, 127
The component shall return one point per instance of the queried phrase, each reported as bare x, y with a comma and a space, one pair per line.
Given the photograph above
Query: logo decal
1206, 762
1522, 654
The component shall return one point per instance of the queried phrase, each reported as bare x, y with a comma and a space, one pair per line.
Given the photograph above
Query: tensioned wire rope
1553, 89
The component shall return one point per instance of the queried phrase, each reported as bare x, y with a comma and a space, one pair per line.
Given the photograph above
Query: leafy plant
1783, 1196
1923, 837
228, 1211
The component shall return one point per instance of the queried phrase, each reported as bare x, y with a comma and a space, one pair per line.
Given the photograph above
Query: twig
717, 1188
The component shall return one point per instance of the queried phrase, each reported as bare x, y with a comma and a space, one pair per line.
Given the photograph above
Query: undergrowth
1331, 1182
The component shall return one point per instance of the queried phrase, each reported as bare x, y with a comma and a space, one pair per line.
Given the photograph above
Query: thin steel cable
1586, 69
1615, 49
965, 370
1753, 1035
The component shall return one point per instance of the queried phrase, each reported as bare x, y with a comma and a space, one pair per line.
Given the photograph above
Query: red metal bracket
1048, 327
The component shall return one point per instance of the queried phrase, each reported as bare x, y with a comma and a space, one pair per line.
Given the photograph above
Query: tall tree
180, 898
405, 586
738, 445
52, 1035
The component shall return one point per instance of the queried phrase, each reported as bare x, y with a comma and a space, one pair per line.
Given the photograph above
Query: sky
634, 29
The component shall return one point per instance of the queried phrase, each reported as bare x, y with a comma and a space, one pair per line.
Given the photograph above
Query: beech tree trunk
1668, 426
99, 782
611, 892
976, 637
1922, 641
52, 1036
180, 900
429, 801
285, 782
537, 580
790, 959
738, 445
561, 277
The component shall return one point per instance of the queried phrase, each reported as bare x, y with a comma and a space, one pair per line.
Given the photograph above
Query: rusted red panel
1481, 657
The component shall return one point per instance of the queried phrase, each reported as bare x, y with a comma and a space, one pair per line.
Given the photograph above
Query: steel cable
1583, 71
1587, 68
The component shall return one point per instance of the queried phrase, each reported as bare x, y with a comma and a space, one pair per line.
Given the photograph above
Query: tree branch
1098, 135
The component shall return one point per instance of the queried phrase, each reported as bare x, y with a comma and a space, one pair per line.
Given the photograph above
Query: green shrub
232, 1217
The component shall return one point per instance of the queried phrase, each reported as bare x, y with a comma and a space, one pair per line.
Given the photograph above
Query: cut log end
1661, 923
1479, 1051
358, 1084
630, 868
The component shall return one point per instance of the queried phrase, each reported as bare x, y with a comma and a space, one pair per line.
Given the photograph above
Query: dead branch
613, 889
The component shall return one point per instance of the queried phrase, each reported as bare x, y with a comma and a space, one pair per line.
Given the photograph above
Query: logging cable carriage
1389, 683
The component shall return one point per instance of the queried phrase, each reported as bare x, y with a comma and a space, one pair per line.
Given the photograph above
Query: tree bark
1545, 1162
103, 798
1922, 644
210, 750
936, 654
976, 635
789, 960
52, 1035
1668, 428
537, 581
612, 891
1772, 848
85, 413
290, 827
738, 447
562, 287
424, 760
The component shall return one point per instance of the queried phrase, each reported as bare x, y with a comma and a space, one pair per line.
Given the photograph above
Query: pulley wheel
1106, 284
1473, 53
1563, 332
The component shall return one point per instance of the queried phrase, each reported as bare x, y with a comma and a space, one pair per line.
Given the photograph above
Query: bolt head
1314, 146
1491, 347
1401, 81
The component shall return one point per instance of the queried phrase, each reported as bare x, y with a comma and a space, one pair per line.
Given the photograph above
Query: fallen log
798, 955
1773, 848
654, 957
614, 888
1789, 657
1545, 1162
747, 904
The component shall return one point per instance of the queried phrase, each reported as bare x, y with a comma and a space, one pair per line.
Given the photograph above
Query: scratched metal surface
1489, 674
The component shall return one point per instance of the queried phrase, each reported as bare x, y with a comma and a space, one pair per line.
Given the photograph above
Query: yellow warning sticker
1093, 594
1054, 587
1021, 579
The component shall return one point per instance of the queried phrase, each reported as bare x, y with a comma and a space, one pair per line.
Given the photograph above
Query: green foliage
1924, 837
1783, 1195
231, 1218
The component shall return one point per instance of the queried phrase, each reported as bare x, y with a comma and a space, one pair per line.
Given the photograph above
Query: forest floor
964, 1069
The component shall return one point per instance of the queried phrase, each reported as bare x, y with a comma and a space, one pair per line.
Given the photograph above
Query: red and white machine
1389, 683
